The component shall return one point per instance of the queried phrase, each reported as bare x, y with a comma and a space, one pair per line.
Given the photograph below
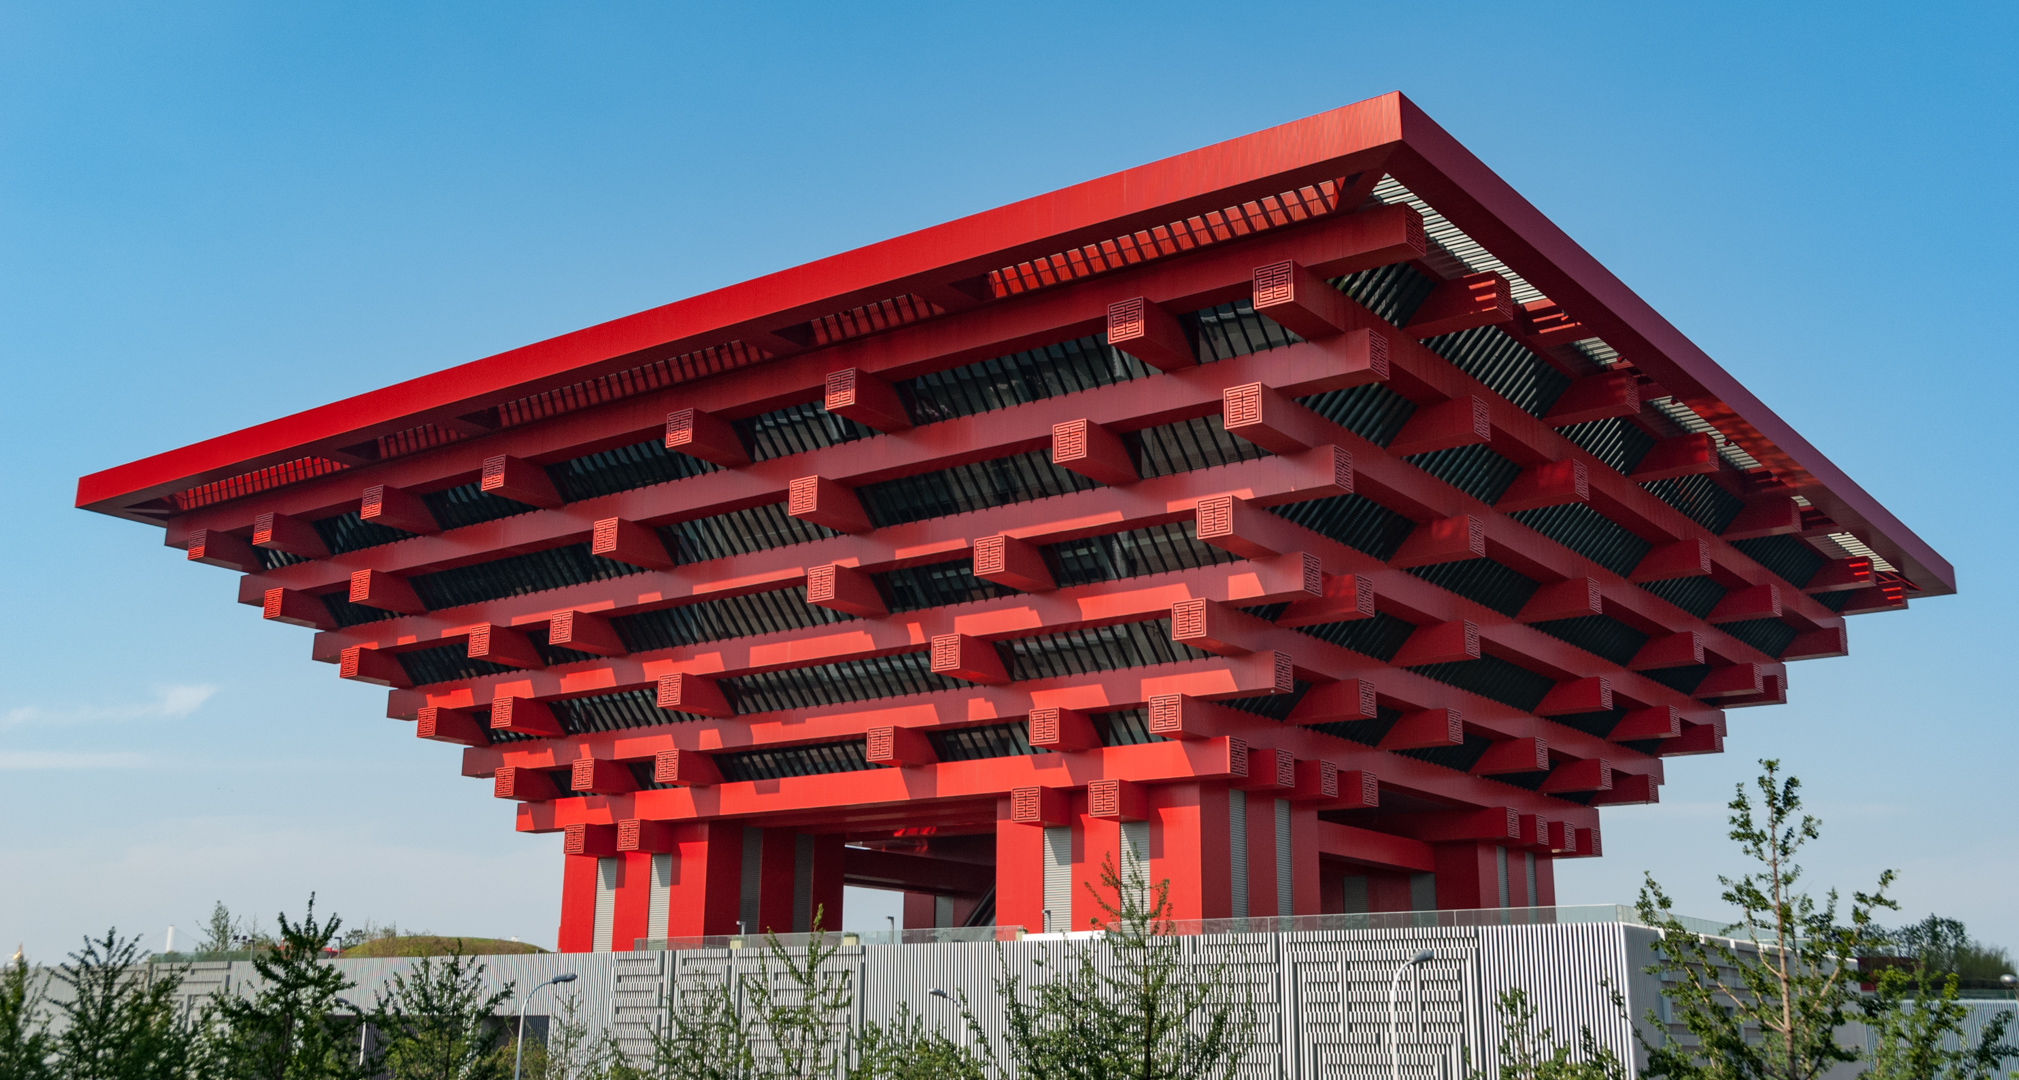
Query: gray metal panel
659, 907
1237, 850
753, 875
1285, 880
608, 871
1500, 869
1059, 876
1136, 855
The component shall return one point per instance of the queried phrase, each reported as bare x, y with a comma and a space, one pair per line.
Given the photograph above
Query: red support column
774, 881
632, 915
1019, 870
578, 904
826, 894
1304, 882
1188, 847
1098, 844
707, 877
1467, 876
1545, 881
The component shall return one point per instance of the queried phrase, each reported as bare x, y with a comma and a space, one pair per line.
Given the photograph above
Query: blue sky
215, 214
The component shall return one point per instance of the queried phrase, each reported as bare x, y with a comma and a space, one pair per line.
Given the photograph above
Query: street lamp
519, 1054
364, 1028
948, 998
1394, 988
2012, 983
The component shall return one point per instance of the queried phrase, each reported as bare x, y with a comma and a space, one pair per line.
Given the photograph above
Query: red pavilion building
1304, 520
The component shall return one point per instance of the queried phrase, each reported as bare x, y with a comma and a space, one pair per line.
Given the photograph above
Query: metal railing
1288, 924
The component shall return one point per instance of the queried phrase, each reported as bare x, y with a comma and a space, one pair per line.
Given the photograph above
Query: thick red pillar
1189, 848
1468, 876
777, 859
1019, 872
1304, 899
1098, 844
1261, 815
824, 899
633, 903
707, 879
1545, 881
578, 904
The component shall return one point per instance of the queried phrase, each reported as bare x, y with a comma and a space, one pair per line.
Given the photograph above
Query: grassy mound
437, 945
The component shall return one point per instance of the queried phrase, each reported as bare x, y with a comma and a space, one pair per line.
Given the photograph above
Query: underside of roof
1382, 150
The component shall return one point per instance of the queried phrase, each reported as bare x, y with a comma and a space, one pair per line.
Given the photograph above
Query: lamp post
519, 1049
1395, 988
2011, 983
944, 996
364, 1027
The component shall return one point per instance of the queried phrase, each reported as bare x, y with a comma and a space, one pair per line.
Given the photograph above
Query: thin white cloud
66, 759
169, 702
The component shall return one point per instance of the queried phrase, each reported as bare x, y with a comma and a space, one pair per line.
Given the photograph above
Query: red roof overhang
1388, 133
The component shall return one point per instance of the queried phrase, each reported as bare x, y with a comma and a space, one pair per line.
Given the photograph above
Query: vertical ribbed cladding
609, 875
1286, 874
1237, 850
1504, 366
1569, 973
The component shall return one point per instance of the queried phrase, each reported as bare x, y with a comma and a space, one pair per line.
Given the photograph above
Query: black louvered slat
516, 575
963, 488
1392, 292
1481, 581
555, 654
794, 761
350, 532
739, 532
935, 585
1504, 365
1364, 732
467, 504
1124, 727
1589, 533
1188, 445
345, 613
1788, 557
1493, 678
1600, 635
446, 663
901, 675
1474, 470
717, 620
269, 559
1683, 680
1156, 550
1373, 411
1696, 595
1770, 636
796, 429
1229, 330
623, 468
1354, 520
1379, 637
1104, 648
1031, 375
993, 741
1272, 706
622, 711
1615, 441
1461, 758
1700, 499
1599, 724
642, 775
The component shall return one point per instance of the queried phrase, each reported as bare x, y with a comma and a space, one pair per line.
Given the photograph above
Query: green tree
288, 1030
1769, 1009
800, 1006
1945, 947
908, 1048
1914, 1015
122, 1017
1529, 1051
704, 1037
25, 1046
438, 1024
1147, 1013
